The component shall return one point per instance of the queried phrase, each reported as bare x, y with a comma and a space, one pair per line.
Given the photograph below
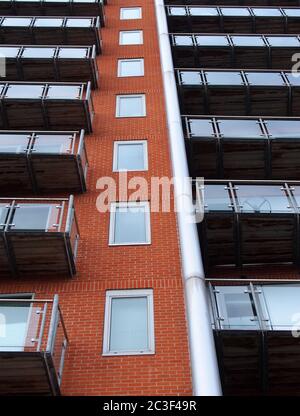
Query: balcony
50, 63
228, 19
53, 8
294, 3
41, 106
51, 31
33, 344
255, 223
38, 237
243, 148
239, 93
234, 51
257, 337
42, 162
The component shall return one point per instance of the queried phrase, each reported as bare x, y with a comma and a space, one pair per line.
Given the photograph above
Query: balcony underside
27, 373
31, 8
235, 101
224, 57
40, 115
40, 173
244, 159
35, 254
258, 363
232, 24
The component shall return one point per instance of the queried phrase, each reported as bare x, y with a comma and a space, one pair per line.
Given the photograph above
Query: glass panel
130, 225
266, 12
292, 12
283, 41
203, 11
130, 156
265, 78
4, 209
130, 106
9, 52
283, 305
73, 52
183, 40
63, 92
130, 13
131, 37
201, 128
232, 11
46, 143
296, 194
224, 78
236, 307
216, 198
13, 143
293, 78
283, 128
190, 77
38, 53
131, 68
79, 22
212, 40
24, 91
240, 128
262, 199
48, 22
177, 11
16, 21
35, 217
13, 325
248, 41
129, 324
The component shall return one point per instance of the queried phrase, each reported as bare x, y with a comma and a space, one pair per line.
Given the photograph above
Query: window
129, 322
131, 106
131, 37
130, 155
131, 67
129, 13
129, 223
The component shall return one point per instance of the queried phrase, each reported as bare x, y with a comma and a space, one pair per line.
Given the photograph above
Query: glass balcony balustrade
76, 31
256, 330
233, 19
243, 148
239, 93
33, 344
255, 223
38, 237
53, 8
41, 106
234, 51
42, 162
50, 63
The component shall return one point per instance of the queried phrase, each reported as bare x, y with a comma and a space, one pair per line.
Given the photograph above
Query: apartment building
96, 101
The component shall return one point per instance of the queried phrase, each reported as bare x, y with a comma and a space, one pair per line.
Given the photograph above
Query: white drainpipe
205, 372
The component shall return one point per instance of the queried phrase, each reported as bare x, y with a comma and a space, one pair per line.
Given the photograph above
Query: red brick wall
101, 267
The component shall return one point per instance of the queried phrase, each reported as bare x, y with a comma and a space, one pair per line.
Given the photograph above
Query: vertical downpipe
205, 372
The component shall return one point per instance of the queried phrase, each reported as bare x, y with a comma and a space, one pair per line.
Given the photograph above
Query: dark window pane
224, 78
201, 128
212, 41
247, 41
265, 78
240, 128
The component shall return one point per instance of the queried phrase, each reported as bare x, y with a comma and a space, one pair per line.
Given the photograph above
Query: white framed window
130, 155
131, 67
129, 13
129, 223
129, 322
131, 37
131, 105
